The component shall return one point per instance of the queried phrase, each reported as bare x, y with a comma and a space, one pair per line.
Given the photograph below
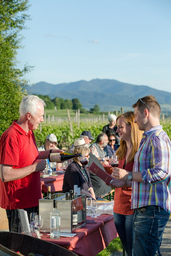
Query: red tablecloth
91, 239
56, 183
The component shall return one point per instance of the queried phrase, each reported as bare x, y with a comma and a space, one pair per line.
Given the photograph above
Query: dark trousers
14, 220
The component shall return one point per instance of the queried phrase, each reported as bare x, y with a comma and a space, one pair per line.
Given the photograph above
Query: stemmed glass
38, 222
114, 161
83, 160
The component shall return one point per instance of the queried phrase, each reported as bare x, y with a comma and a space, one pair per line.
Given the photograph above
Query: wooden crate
27, 244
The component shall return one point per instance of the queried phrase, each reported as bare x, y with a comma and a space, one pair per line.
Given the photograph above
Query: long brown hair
136, 136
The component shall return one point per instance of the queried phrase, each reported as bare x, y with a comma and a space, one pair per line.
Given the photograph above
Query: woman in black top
77, 174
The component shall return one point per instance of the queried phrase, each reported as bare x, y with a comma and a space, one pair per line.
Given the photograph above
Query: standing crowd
142, 180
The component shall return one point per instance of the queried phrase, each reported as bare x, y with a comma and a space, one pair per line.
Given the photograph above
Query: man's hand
120, 174
40, 165
56, 150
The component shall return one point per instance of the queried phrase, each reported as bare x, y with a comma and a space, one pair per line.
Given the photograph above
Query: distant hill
109, 94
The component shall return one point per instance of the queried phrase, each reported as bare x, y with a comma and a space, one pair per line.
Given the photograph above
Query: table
56, 183
91, 239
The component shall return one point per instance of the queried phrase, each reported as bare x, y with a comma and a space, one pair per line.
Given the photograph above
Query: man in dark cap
86, 135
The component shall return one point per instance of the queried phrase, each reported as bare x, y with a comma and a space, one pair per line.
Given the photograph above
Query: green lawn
114, 246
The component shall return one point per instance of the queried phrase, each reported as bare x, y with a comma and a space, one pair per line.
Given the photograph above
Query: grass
114, 246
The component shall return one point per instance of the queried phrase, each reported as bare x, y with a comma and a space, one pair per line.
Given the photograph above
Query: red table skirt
56, 183
91, 239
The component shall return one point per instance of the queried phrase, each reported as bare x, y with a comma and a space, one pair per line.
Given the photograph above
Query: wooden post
70, 124
78, 118
103, 118
121, 110
163, 117
48, 118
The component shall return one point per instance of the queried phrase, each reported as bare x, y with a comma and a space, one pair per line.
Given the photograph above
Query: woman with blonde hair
130, 137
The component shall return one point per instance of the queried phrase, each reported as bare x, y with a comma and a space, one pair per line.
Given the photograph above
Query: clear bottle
75, 191
55, 224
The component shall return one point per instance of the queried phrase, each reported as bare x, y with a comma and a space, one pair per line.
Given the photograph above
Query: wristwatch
130, 176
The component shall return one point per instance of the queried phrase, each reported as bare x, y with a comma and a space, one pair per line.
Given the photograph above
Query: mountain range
109, 94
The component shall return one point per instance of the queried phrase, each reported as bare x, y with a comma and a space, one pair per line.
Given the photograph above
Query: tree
76, 104
48, 101
57, 102
95, 109
68, 104
12, 18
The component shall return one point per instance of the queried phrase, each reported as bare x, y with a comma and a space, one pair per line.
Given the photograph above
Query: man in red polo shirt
20, 162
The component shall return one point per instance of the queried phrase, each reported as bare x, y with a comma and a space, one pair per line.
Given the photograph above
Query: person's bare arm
91, 190
122, 174
9, 174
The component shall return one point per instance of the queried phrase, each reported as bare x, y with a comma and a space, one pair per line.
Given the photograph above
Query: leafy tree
48, 101
76, 104
95, 109
68, 104
57, 102
12, 18
63, 104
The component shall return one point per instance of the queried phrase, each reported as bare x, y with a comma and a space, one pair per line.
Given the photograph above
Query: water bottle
50, 171
55, 224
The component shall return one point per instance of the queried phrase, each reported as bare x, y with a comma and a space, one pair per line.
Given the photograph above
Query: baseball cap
52, 137
88, 134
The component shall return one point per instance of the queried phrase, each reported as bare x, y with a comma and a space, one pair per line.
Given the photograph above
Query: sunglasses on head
112, 140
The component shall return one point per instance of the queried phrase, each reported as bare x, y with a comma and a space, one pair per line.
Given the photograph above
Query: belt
145, 208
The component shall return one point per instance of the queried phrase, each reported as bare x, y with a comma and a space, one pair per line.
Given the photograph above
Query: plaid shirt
153, 160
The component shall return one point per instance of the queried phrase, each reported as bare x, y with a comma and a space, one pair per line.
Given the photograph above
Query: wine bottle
61, 157
67, 196
71, 194
49, 195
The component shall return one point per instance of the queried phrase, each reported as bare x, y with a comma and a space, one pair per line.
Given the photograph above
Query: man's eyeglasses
112, 140
144, 104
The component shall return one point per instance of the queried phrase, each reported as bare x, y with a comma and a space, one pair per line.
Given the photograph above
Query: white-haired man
20, 162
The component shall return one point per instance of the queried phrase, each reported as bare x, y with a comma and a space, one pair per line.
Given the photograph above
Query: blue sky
72, 40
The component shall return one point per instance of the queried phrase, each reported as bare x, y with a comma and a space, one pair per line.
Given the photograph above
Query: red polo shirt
18, 149
122, 197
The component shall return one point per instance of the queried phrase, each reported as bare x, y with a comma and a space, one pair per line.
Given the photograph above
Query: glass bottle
49, 195
55, 224
61, 157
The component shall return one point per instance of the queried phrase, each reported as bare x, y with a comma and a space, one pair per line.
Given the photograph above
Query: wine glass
94, 209
88, 205
38, 222
114, 161
83, 160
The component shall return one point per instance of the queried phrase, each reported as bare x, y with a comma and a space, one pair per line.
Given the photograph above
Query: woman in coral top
130, 137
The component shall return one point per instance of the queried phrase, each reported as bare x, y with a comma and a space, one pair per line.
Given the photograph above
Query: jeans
14, 220
149, 224
124, 227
